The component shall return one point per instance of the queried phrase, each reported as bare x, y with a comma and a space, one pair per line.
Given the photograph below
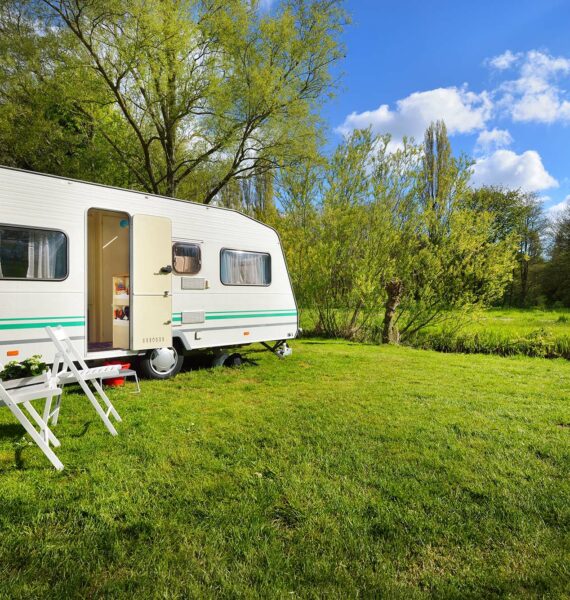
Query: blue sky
498, 73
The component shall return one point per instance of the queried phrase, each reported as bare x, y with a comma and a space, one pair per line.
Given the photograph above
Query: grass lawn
344, 470
522, 321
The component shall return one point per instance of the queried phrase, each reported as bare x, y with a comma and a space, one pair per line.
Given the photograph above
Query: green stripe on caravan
244, 314
211, 317
41, 324
79, 321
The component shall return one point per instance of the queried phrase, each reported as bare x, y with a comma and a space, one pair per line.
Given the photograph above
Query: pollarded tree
355, 231
378, 259
449, 260
207, 91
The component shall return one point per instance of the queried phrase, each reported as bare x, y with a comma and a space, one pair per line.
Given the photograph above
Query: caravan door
151, 282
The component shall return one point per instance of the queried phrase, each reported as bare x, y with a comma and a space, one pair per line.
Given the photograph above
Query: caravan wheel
161, 363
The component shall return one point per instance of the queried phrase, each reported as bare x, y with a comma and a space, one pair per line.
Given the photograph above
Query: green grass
531, 332
345, 470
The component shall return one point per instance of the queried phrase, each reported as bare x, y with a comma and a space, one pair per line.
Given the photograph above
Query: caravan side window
238, 267
186, 258
29, 253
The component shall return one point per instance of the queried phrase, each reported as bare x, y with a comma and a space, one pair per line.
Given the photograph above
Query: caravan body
128, 273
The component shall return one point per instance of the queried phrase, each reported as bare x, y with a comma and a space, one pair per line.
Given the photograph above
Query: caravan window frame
222, 250
185, 273
48, 229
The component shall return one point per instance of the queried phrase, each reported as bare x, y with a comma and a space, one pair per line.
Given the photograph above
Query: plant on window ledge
27, 368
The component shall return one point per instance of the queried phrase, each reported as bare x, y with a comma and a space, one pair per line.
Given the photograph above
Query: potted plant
31, 367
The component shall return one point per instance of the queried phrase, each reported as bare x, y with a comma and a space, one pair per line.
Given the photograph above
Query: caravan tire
161, 363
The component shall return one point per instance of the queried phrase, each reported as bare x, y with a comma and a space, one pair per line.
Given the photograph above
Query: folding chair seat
124, 373
19, 393
65, 371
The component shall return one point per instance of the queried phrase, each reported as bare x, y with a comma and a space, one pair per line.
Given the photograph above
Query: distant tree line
218, 102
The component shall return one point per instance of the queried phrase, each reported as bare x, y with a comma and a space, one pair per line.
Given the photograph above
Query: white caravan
133, 274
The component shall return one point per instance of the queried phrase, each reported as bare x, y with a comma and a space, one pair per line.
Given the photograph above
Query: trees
557, 272
40, 128
346, 286
189, 95
517, 216
439, 179
455, 262
532, 229
393, 243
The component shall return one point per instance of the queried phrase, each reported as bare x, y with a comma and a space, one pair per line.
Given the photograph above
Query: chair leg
55, 413
85, 387
47, 411
45, 431
50, 454
106, 400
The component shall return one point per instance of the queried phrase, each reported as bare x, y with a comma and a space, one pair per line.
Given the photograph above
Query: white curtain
245, 268
43, 249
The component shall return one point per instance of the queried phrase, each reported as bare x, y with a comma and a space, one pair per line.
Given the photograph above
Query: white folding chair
65, 371
21, 392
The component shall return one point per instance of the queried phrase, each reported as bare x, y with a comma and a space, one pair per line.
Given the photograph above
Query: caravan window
186, 258
29, 253
238, 267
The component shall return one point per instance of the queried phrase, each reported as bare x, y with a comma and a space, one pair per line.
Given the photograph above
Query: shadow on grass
11, 431
83, 431
203, 362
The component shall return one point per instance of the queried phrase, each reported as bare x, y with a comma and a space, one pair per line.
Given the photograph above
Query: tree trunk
524, 282
390, 334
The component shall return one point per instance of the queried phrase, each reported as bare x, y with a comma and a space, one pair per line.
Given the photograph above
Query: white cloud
490, 140
535, 96
506, 168
553, 212
504, 61
463, 112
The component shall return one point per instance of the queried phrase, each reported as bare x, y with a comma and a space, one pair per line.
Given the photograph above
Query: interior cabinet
121, 311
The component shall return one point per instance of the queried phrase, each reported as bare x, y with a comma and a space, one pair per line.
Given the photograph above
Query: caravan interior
108, 280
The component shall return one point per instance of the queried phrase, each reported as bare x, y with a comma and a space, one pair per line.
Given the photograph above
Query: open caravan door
151, 282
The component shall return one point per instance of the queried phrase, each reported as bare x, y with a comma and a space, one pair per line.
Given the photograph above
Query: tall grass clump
540, 343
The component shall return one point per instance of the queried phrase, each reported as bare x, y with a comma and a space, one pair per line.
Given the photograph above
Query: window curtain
43, 253
245, 268
186, 259
1, 274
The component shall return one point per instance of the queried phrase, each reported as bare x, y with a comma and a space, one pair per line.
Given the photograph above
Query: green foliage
391, 230
27, 368
345, 471
185, 96
41, 128
516, 216
556, 275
